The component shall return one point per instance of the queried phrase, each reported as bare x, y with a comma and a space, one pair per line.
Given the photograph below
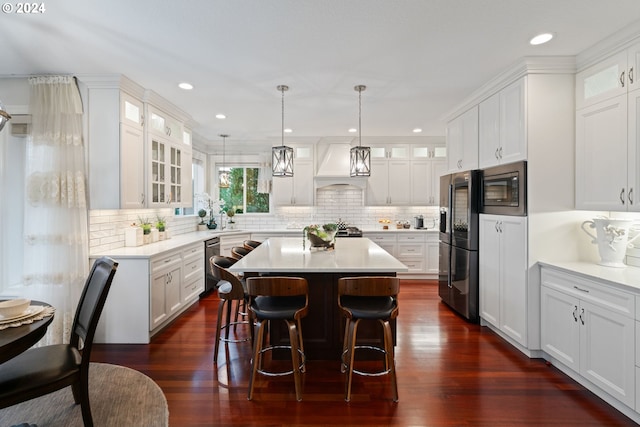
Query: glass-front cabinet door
158, 172
175, 167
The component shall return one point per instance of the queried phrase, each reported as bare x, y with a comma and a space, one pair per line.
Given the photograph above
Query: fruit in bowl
321, 236
13, 307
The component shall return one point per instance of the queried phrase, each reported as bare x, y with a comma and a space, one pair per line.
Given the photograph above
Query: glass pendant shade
282, 161
4, 116
360, 161
224, 174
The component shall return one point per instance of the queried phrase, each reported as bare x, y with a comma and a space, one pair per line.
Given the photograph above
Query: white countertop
175, 242
285, 255
621, 277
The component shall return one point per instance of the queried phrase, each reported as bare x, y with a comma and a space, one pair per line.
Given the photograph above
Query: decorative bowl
14, 307
321, 237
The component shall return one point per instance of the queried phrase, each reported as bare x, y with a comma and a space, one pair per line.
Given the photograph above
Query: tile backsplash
106, 227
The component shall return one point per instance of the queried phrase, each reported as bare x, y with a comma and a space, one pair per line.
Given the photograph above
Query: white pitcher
612, 238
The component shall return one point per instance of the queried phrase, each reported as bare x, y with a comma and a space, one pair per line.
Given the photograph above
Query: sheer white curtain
55, 222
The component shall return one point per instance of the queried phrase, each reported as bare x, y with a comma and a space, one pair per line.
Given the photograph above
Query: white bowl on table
13, 307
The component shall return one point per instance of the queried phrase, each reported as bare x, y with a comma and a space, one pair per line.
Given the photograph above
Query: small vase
161, 235
146, 239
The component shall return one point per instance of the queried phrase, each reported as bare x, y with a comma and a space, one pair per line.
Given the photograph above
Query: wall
106, 227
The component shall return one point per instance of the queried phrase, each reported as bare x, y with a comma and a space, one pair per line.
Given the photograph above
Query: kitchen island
323, 326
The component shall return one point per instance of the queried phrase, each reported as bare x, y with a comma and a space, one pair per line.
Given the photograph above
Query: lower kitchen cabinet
503, 274
418, 250
589, 328
149, 292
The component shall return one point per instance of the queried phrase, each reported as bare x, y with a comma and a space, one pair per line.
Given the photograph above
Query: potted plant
201, 225
146, 229
231, 213
320, 237
161, 225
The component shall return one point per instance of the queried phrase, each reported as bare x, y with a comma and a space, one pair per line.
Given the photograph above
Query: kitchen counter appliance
503, 189
349, 232
211, 248
459, 221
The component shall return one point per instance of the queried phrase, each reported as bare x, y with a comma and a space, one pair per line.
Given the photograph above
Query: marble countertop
628, 277
286, 255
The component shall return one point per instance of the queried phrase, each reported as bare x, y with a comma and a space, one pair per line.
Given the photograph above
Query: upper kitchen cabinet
164, 125
114, 131
502, 126
607, 134
297, 190
462, 141
391, 151
611, 77
428, 163
390, 180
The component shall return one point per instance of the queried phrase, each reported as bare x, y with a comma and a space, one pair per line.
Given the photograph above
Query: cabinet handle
580, 289
497, 229
496, 154
500, 226
142, 198
142, 120
630, 196
581, 316
575, 313
500, 152
622, 79
631, 75
622, 196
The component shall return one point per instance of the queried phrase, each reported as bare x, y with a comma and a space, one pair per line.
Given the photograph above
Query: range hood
333, 171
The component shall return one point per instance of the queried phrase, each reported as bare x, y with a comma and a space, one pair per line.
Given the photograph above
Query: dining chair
43, 370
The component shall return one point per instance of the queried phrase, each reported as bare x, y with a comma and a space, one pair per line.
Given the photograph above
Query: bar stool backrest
369, 286
220, 264
279, 286
251, 244
238, 252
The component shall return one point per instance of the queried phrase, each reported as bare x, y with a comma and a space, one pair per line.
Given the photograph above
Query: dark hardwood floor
450, 373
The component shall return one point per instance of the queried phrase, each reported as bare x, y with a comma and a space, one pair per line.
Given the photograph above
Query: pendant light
282, 156
360, 156
4, 116
223, 174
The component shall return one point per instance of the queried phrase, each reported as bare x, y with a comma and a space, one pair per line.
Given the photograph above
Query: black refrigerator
458, 269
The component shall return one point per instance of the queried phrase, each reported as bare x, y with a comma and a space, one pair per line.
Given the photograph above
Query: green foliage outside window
235, 197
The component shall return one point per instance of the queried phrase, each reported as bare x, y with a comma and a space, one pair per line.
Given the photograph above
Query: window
242, 194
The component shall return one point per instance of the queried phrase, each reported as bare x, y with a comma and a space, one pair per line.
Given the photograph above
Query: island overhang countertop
286, 255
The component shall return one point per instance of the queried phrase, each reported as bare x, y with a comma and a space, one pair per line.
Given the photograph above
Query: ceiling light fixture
541, 39
223, 174
417, 130
353, 130
4, 116
282, 156
220, 116
360, 156
185, 86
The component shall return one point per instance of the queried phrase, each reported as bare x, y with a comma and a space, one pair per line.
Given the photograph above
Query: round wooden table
15, 340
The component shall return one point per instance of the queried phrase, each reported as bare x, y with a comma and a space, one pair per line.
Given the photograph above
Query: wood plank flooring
450, 373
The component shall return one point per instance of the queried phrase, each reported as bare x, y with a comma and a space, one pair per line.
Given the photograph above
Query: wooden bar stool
230, 290
278, 298
368, 298
251, 244
238, 252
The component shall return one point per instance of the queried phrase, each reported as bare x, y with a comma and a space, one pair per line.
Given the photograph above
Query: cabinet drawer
196, 250
411, 249
165, 262
411, 237
193, 269
592, 291
381, 237
415, 265
192, 289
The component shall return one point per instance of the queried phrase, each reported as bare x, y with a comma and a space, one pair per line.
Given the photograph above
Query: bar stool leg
295, 357
300, 343
218, 329
353, 328
390, 358
345, 346
257, 356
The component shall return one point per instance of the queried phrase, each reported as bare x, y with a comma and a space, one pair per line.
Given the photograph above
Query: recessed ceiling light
220, 116
353, 130
185, 86
417, 130
287, 130
541, 38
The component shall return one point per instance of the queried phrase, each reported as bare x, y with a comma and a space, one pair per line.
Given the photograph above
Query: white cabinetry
418, 250
607, 134
411, 250
386, 240
502, 126
589, 328
428, 163
114, 116
503, 274
390, 180
149, 292
298, 189
462, 141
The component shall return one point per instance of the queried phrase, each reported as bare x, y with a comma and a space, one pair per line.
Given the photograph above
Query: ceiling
418, 58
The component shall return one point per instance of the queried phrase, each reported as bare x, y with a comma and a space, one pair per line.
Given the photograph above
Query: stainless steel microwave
503, 189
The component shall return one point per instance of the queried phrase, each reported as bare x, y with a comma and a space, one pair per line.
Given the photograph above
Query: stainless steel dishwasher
211, 248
